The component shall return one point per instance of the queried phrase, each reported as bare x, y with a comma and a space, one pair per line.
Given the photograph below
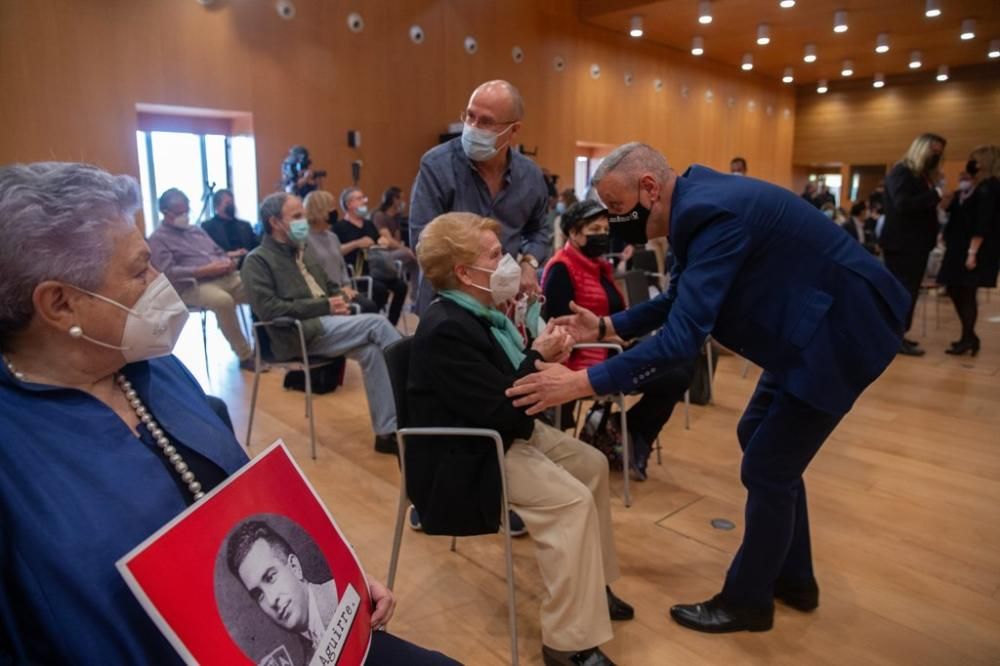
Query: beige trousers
559, 486
221, 296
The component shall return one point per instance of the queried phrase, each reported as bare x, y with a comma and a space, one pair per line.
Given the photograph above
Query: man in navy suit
767, 275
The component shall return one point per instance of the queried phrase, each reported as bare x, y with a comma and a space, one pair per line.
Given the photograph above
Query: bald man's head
500, 96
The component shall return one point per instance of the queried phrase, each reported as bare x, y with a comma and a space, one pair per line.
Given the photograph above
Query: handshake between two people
554, 383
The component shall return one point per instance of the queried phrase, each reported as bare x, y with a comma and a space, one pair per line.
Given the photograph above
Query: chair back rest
636, 287
397, 362
262, 338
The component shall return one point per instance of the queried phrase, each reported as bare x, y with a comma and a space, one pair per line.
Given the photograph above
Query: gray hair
56, 220
516, 101
632, 160
271, 207
345, 195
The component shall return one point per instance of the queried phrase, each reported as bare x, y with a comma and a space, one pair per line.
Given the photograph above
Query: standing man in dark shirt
234, 236
480, 173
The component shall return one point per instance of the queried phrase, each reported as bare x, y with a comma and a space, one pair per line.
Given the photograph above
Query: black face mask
333, 218
933, 162
597, 245
630, 228
230, 210
971, 168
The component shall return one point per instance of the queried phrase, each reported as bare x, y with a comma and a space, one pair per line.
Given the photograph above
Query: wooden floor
904, 502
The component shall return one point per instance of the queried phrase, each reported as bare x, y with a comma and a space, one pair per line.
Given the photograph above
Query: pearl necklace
166, 448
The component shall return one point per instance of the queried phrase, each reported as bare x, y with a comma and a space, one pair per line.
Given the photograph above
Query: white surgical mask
505, 281
560, 207
182, 221
479, 144
964, 184
361, 211
153, 325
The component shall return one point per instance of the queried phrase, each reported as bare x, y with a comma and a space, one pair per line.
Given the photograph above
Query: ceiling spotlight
915, 60
788, 76
847, 69
635, 26
763, 34
704, 12
968, 29
697, 45
994, 51
840, 21
882, 43
747, 62
786, 4
932, 9
942, 74
822, 87
878, 81
810, 53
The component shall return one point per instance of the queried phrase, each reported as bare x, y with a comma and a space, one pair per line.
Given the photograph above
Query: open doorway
198, 151
589, 156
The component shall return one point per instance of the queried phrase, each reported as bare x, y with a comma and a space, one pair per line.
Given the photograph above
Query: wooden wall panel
867, 126
73, 73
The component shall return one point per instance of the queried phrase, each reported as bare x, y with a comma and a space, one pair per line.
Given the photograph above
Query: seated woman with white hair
466, 353
104, 436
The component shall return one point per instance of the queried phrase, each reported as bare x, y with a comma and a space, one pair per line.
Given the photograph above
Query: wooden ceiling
733, 33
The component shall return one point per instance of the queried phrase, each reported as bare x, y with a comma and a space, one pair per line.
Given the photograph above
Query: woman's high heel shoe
970, 345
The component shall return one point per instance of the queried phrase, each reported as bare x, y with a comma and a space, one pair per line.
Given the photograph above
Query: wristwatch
528, 259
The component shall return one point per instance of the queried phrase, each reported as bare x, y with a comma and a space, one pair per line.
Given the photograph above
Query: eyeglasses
482, 123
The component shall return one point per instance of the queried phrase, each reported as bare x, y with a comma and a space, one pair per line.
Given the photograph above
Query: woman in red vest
580, 273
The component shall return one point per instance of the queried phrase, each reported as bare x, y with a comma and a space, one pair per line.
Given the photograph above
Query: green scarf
502, 328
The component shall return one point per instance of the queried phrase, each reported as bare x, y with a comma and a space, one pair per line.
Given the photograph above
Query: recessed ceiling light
810, 53
942, 74
882, 43
878, 81
847, 69
635, 26
704, 12
747, 62
968, 29
822, 87
915, 60
932, 9
840, 21
697, 45
789, 75
763, 34
994, 51
786, 4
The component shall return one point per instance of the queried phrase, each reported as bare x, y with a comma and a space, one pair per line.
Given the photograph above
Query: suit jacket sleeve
264, 300
472, 387
715, 255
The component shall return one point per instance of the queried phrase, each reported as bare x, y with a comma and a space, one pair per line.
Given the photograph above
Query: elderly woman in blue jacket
104, 436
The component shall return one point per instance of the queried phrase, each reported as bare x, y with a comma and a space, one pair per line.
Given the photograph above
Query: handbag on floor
324, 379
601, 430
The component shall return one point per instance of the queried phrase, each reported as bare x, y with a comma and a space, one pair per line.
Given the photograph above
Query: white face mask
479, 144
964, 184
181, 221
153, 325
505, 281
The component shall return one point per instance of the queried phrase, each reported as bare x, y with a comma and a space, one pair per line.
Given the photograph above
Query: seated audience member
283, 280
738, 166
84, 469
566, 199
323, 243
579, 274
234, 236
387, 220
809, 192
296, 176
202, 272
466, 353
859, 227
357, 235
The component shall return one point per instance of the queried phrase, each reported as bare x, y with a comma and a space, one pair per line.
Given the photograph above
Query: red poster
256, 572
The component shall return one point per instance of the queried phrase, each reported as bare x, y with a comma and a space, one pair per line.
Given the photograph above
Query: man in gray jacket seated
284, 279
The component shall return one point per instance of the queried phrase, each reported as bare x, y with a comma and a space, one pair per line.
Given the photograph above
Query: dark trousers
380, 294
964, 298
388, 650
909, 268
779, 435
647, 417
366, 304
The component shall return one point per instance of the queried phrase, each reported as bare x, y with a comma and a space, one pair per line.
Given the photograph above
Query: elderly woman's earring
75, 332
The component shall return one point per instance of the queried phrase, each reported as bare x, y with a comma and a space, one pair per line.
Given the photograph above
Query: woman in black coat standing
972, 256
911, 223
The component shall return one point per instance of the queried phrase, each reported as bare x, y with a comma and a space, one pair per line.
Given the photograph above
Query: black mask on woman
971, 168
933, 161
230, 210
630, 228
597, 245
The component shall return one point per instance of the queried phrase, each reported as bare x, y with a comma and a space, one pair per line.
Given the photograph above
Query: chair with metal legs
304, 362
397, 360
199, 310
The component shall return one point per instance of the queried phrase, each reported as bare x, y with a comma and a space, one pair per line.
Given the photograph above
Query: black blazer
978, 215
458, 375
911, 222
